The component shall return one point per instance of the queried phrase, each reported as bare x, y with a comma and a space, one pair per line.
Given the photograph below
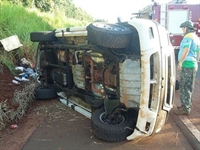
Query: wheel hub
115, 119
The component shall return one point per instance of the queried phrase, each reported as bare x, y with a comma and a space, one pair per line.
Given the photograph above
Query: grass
20, 21
16, 20
4, 117
7, 60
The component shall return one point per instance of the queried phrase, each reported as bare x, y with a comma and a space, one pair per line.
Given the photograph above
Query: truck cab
121, 76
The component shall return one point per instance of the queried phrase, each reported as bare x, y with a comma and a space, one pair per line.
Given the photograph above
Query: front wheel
112, 130
109, 35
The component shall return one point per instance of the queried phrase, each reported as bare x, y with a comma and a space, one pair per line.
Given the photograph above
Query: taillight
185, 6
170, 7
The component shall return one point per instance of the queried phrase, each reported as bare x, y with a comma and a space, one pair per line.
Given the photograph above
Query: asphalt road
72, 132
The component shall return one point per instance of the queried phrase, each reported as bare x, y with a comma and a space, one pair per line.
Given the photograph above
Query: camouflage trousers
187, 80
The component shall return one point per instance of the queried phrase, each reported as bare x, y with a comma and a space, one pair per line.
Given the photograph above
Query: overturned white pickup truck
121, 75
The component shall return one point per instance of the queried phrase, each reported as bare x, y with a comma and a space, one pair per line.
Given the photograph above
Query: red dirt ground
9, 138
7, 87
14, 139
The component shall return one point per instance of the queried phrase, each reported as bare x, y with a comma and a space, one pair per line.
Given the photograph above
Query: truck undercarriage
98, 68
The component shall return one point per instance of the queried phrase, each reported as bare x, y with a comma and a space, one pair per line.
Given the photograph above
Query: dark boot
180, 107
182, 112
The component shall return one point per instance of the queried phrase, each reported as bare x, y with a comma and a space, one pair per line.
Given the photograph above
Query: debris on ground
13, 126
26, 70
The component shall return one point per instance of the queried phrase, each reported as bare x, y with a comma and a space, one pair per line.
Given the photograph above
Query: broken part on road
124, 73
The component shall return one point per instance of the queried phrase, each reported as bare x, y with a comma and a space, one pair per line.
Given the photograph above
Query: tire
42, 93
43, 36
109, 35
111, 132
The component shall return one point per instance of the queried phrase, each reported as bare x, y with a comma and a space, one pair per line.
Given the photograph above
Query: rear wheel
43, 36
113, 128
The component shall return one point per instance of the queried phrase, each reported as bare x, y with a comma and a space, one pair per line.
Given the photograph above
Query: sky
111, 9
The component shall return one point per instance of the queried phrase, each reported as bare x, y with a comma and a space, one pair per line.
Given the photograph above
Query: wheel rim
116, 119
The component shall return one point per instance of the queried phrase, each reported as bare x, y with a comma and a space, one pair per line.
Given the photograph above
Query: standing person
188, 58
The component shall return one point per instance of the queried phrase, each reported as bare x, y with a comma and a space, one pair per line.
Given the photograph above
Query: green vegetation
20, 17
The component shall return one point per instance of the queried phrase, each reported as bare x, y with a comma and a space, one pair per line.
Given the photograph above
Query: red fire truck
171, 15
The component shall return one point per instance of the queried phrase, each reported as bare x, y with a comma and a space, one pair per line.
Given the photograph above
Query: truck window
151, 36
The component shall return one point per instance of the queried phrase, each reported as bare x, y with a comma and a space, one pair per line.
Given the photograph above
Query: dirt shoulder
11, 139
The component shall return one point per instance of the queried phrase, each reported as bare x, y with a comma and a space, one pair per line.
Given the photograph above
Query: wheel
42, 93
112, 130
45, 36
109, 35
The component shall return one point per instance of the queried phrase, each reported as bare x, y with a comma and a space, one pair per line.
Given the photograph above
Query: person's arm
198, 56
183, 56
198, 48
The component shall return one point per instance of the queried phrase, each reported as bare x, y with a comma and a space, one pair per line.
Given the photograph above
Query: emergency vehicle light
171, 7
185, 7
